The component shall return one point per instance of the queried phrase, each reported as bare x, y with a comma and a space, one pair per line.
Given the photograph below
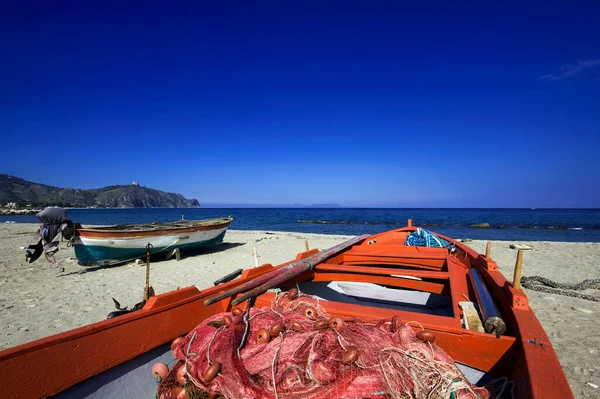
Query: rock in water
480, 226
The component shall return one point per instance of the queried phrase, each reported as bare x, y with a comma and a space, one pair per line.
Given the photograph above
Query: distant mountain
23, 192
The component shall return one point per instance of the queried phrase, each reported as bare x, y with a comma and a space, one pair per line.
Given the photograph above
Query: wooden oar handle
229, 277
276, 281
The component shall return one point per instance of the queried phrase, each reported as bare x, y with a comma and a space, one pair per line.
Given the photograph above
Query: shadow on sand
160, 257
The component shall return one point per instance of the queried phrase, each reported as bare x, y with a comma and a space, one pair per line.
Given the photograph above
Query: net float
336, 323
310, 312
227, 321
426, 336
176, 343
160, 370
396, 323
263, 336
293, 294
350, 355
277, 329
296, 326
211, 372
236, 312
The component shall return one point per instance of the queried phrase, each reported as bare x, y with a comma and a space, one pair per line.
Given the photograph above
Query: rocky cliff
22, 192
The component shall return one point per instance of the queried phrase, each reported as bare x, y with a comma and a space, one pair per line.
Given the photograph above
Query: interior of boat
421, 285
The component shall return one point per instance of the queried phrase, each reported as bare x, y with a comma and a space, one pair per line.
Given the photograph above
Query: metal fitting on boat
495, 325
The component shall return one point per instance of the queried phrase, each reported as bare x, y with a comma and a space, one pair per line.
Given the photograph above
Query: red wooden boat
372, 276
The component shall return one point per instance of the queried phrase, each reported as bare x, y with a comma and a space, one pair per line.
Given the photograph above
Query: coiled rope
542, 284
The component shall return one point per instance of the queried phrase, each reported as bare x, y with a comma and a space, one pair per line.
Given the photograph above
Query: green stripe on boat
96, 255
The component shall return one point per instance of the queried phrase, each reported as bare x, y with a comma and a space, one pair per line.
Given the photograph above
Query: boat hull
524, 355
94, 247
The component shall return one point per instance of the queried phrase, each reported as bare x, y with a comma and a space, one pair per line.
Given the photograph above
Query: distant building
135, 183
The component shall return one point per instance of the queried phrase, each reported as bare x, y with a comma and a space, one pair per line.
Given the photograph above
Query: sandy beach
41, 299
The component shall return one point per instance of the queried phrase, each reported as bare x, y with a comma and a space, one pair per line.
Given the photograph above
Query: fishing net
294, 349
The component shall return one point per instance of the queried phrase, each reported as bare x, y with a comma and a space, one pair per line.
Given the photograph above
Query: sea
571, 225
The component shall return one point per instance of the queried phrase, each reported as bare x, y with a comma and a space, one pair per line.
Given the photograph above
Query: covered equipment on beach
55, 226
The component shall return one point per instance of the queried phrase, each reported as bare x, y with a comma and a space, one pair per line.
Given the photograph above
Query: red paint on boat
524, 355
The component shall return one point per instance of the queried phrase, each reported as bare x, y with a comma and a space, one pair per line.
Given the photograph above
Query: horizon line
251, 206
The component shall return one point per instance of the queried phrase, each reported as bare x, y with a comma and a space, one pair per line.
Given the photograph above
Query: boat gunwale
154, 305
160, 230
539, 357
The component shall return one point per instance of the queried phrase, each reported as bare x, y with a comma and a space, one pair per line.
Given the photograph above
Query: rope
548, 286
246, 330
501, 386
170, 245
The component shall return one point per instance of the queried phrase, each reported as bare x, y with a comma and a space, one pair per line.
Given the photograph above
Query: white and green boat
100, 246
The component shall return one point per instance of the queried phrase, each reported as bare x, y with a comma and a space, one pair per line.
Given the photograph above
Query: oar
285, 273
282, 277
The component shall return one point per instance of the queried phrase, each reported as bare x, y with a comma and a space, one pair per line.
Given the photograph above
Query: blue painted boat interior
132, 379
439, 305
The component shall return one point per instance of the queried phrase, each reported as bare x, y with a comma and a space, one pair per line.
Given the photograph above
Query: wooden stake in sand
148, 291
255, 256
306, 245
518, 270
488, 250
174, 252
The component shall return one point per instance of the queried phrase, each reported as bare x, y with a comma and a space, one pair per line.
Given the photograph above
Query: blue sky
356, 103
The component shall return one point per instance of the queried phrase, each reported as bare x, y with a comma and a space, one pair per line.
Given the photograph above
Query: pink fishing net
294, 349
